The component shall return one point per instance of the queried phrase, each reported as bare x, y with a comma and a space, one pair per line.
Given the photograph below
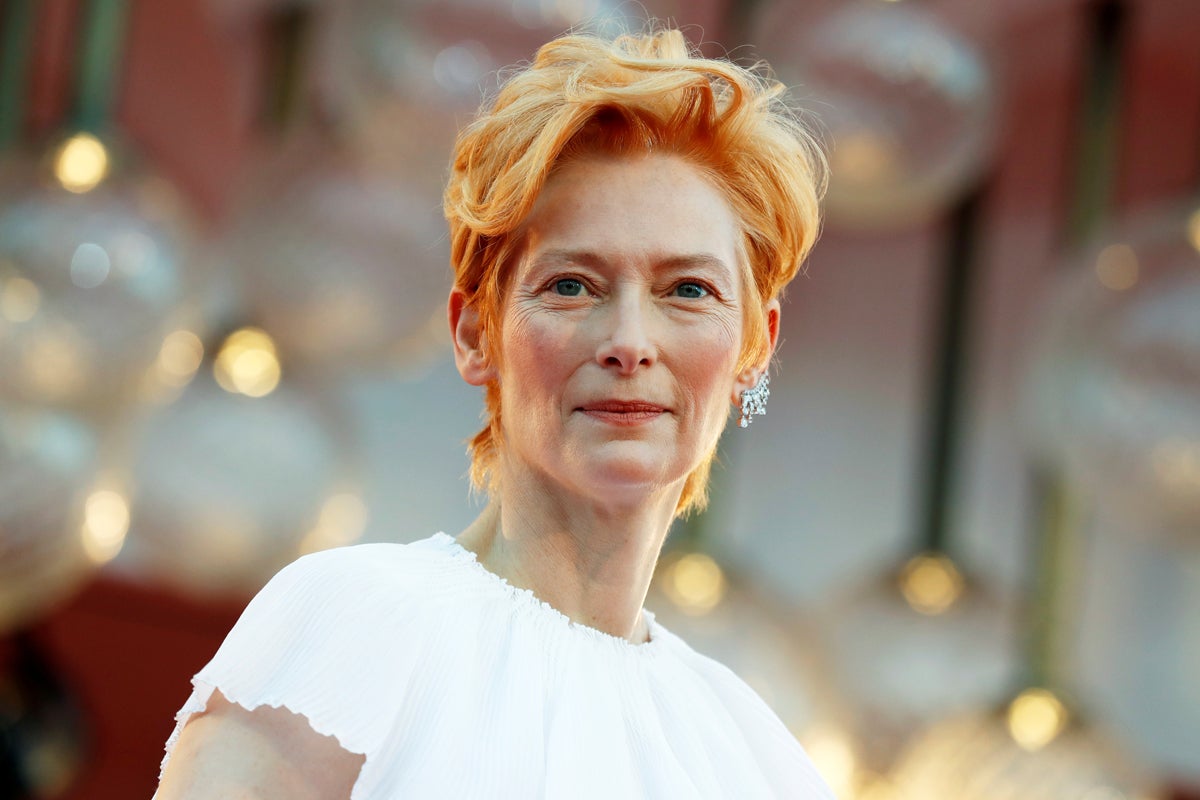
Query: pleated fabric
455, 684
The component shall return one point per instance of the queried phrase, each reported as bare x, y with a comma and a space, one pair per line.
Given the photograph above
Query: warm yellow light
879, 788
695, 583
342, 520
180, 357
1117, 267
930, 583
833, 756
81, 163
106, 522
19, 299
247, 363
1193, 229
1035, 718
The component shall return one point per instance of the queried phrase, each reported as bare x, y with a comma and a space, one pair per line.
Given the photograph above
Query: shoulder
338, 594
729, 689
376, 561
721, 694
333, 633
316, 636
359, 575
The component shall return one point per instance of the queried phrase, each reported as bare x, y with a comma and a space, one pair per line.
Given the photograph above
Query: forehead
633, 210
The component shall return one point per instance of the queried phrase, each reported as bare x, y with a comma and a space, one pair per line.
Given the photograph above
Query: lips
622, 412
623, 406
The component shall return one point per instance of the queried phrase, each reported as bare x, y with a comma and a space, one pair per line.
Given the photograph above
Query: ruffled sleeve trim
325, 639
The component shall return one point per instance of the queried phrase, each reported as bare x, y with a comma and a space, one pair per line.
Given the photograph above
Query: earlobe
470, 353
749, 377
745, 380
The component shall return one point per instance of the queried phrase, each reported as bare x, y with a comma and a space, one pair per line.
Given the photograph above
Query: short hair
635, 94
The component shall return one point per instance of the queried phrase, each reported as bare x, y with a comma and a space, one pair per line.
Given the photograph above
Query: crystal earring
754, 400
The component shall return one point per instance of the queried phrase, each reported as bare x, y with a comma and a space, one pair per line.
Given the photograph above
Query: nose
626, 343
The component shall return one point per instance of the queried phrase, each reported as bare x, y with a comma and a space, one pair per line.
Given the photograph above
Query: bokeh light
181, 354
90, 284
105, 525
1036, 717
343, 263
915, 643
1117, 267
832, 752
81, 163
1193, 230
978, 756
247, 363
774, 648
48, 465
19, 299
931, 583
694, 582
228, 486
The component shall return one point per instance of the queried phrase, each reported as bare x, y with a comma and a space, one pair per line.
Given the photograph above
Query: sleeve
784, 763
299, 644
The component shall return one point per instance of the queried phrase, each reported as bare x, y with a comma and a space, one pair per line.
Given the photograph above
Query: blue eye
569, 287
691, 290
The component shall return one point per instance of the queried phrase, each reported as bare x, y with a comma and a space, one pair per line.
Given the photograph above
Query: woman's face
621, 329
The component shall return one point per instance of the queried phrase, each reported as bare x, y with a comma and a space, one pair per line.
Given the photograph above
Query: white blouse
455, 684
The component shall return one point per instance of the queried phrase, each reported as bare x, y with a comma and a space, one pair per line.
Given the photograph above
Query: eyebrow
588, 258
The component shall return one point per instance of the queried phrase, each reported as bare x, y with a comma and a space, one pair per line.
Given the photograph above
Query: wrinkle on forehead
576, 218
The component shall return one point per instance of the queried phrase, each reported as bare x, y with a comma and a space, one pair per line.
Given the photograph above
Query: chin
635, 474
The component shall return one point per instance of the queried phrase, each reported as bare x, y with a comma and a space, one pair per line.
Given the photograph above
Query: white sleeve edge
197, 702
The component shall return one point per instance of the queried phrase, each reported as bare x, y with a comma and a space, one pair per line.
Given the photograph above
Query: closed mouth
622, 412
623, 407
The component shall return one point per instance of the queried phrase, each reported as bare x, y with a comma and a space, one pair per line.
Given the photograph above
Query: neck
592, 562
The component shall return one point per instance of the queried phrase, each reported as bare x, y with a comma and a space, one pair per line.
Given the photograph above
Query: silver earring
754, 400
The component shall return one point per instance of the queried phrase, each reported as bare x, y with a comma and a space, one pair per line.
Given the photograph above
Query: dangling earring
754, 400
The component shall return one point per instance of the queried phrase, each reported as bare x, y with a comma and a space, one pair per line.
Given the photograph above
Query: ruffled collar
528, 602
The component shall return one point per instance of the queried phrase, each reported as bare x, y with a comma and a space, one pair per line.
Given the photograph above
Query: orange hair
634, 95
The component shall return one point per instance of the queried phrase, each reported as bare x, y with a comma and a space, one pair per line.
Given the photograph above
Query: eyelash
704, 287
701, 285
552, 286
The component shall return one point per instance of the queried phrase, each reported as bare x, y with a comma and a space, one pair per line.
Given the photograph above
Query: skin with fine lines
621, 218
620, 337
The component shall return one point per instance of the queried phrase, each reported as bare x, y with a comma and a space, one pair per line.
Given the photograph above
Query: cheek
710, 359
536, 350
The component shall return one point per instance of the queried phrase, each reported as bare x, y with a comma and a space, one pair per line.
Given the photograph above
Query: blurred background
961, 554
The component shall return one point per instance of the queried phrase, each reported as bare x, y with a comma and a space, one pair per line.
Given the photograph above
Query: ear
470, 355
750, 375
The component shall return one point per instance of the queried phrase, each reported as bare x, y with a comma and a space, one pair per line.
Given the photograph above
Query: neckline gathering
525, 598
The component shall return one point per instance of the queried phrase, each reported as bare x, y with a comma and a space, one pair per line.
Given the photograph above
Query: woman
623, 220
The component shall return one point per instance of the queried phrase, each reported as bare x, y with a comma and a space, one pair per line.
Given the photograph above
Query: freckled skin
627, 289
